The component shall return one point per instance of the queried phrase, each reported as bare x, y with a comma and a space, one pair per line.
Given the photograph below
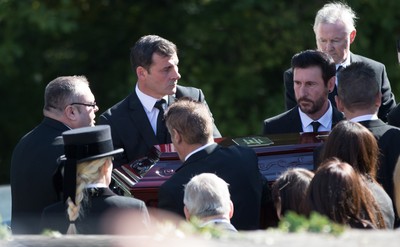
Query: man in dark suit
69, 103
190, 125
359, 98
314, 78
334, 29
135, 123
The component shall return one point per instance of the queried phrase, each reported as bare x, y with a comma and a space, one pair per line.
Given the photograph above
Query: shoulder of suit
124, 199
282, 116
120, 106
370, 61
182, 91
288, 71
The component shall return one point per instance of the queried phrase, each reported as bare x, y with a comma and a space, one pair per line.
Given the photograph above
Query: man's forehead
161, 60
311, 71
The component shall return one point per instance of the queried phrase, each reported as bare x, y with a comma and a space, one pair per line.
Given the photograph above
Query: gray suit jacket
131, 129
388, 99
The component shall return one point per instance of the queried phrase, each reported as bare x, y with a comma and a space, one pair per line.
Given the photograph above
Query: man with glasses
334, 29
68, 104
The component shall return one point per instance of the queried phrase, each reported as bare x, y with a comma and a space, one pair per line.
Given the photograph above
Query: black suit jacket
394, 116
131, 129
388, 99
290, 122
237, 165
94, 220
388, 141
33, 163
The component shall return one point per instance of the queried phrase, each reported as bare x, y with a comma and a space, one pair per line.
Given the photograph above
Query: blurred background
235, 50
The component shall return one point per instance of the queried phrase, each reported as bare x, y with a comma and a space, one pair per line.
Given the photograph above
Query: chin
173, 91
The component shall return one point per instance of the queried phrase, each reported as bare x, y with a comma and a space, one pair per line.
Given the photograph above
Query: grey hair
207, 195
336, 11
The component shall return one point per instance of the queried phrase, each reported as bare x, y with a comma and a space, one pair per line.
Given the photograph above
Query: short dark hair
358, 87
142, 52
63, 91
310, 58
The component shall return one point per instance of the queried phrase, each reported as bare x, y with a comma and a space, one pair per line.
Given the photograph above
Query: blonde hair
86, 173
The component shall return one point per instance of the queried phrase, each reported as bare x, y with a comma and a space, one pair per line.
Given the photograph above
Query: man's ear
176, 136
71, 112
378, 100
141, 72
186, 212
353, 36
331, 84
232, 209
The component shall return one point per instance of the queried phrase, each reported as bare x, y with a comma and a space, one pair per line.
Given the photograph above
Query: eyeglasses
86, 104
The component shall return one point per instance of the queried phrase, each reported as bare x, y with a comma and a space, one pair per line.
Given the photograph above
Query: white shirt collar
325, 120
146, 100
198, 149
345, 63
96, 185
364, 118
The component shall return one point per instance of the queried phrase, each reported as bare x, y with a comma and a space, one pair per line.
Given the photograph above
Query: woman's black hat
80, 145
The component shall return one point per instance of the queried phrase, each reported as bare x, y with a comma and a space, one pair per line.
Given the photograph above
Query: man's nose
303, 91
176, 76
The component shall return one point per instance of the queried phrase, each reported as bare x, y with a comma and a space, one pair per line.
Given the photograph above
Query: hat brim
94, 157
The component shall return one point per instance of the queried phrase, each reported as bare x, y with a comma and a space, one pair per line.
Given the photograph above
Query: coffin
142, 178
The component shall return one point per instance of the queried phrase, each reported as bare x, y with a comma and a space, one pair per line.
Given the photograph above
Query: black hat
88, 143
84, 144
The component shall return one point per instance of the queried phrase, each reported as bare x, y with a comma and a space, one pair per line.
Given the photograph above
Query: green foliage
5, 232
316, 223
51, 233
236, 51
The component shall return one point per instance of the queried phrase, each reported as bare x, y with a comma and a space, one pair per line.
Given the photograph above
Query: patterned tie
315, 126
161, 128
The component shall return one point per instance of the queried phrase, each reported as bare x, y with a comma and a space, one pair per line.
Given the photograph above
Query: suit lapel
294, 117
140, 119
354, 58
171, 99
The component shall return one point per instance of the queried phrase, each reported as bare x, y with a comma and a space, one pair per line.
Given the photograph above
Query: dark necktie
332, 94
338, 70
161, 128
315, 126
